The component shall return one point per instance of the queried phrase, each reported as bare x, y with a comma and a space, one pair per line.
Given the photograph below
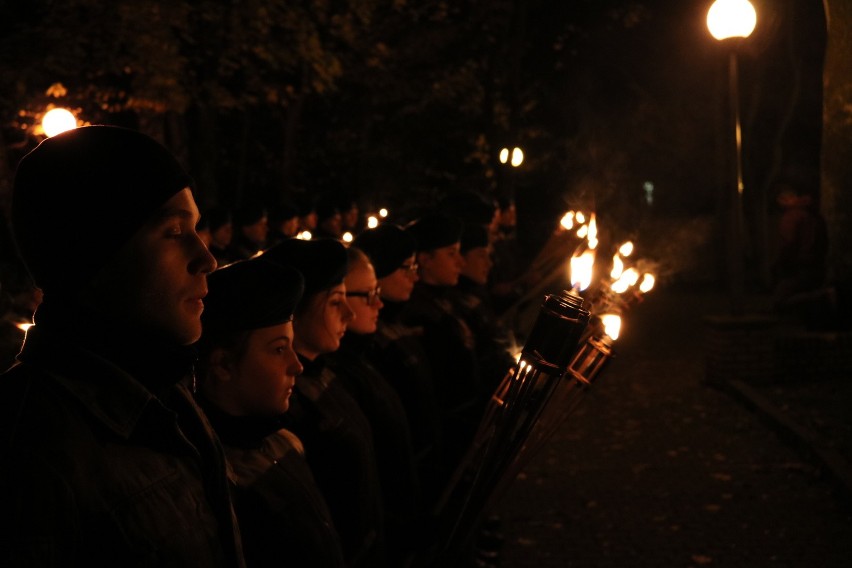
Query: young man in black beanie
107, 460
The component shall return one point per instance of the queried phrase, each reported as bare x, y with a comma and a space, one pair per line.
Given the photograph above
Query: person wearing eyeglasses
382, 405
397, 350
336, 434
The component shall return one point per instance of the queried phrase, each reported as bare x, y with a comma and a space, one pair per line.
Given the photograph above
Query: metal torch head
557, 331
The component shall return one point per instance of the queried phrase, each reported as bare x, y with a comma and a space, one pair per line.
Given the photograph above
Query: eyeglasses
411, 268
371, 297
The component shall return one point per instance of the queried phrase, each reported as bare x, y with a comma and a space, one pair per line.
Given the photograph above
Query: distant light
649, 192
304, 235
58, 120
372, 222
517, 157
731, 18
347, 237
383, 212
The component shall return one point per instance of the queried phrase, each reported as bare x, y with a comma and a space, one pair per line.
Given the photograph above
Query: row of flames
621, 288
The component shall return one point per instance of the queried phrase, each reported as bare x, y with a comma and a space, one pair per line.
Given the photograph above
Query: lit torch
511, 415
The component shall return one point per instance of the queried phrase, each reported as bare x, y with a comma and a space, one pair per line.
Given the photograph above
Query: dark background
399, 103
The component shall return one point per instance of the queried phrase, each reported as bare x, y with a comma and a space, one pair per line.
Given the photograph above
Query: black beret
387, 245
217, 216
322, 262
283, 212
434, 230
79, 196
327, 207
469, 206
250, 294
249, 214
475, 235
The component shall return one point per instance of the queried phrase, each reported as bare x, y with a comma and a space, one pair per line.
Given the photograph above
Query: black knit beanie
387, 245
79, 196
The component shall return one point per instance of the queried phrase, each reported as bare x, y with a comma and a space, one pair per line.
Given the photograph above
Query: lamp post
730, 21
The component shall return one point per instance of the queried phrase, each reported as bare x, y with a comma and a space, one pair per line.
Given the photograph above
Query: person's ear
221, 365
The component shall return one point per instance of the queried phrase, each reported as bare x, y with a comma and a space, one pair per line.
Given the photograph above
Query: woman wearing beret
397, 350
383, 408
336, 434
247, 369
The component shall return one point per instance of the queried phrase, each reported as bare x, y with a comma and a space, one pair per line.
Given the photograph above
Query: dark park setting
564, 284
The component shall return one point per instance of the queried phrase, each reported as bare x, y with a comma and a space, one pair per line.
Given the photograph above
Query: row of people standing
324, 443
392, 385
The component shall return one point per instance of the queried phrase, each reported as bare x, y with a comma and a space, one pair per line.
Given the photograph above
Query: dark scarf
240, 431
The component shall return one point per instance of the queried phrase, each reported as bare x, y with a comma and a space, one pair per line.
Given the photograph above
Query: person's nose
294, 366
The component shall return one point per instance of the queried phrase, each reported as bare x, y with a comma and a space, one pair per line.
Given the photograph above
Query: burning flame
304, 235
567, 221
347, 237
372, 222
617, 267
581, 269
647, 284
627, 279
626, 249
612, 325
383, 212
593, 232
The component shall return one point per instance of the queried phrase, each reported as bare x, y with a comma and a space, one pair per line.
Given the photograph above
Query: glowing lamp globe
731, 18
58, 120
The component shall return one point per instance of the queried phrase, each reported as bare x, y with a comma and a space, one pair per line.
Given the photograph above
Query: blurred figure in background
251, 226
220, 225
283, 223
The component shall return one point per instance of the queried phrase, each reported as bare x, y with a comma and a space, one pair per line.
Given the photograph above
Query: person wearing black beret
397, 349
220, 225
337, 435
251, 227
495, 343
448, 341
283, 223
377, 397
107, 458
247, 370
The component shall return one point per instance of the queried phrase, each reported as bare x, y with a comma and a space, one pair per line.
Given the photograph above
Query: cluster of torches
568, 346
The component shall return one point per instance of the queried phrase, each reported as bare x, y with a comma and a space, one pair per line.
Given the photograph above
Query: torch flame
347, 237
648, 281
580, 217
617, 267
625, 249
581, 269
383, 212
583, 231
593, 232
304, 235
567, 221
612, 325
372, 222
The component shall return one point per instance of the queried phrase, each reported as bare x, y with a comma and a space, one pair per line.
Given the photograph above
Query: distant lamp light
731, 18
372, 222
649, 192
383, 212
58, 120
347, 237
516, 158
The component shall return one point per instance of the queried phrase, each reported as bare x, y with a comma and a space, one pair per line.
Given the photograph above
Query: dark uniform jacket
397, 352
494, 341
283, 516
339, 449
450, 347
391, 438
97, 470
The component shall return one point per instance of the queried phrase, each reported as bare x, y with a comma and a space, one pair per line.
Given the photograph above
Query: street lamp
58, 120
517, 156
729, 21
